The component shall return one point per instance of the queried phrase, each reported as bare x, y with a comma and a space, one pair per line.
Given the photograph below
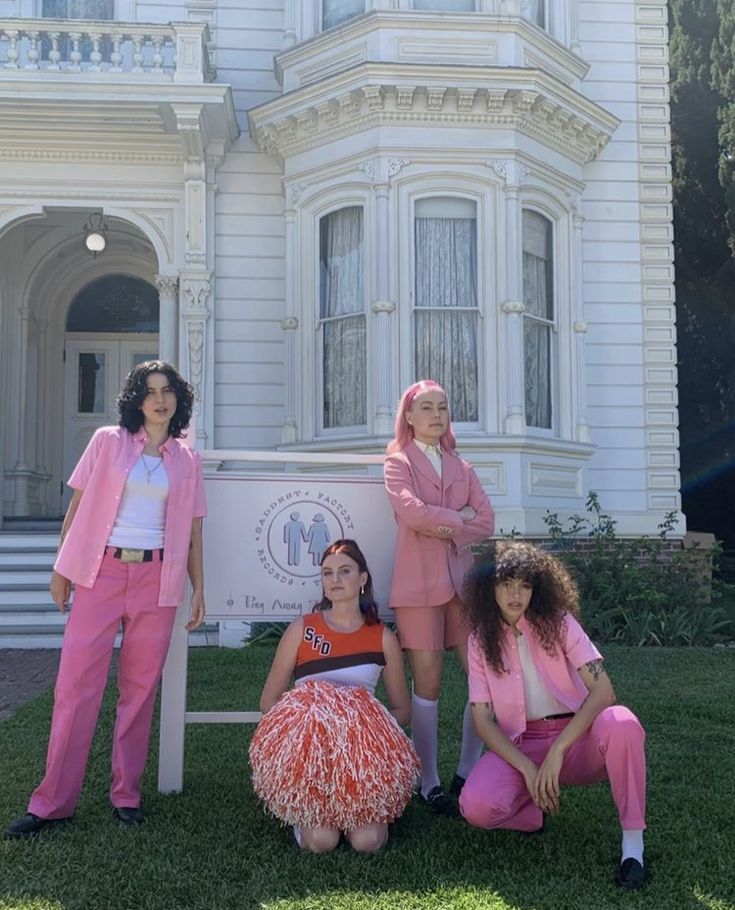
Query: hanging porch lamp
95, 234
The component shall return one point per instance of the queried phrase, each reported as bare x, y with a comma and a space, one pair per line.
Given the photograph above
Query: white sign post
263, 541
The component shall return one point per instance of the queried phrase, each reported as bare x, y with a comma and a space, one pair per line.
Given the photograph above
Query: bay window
342, 323
538, 318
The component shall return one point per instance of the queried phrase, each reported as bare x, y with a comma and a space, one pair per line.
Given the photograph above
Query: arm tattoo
595, 668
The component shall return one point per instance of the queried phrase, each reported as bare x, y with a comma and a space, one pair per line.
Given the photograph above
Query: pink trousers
126, 592
495, 794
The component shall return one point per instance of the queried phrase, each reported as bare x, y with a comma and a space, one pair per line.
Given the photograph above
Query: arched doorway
111, 325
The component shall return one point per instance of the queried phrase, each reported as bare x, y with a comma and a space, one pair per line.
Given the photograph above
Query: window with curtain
446, 313
336, 11
78, 9
538, 318
454, 6
535, 11
342, 322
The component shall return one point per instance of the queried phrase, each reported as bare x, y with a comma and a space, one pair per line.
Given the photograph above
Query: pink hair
404, 430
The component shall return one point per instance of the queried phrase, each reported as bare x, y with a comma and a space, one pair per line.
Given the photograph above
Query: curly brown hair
554, 595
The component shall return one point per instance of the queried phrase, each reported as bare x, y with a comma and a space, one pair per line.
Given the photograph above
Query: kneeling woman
327, 757
543, 704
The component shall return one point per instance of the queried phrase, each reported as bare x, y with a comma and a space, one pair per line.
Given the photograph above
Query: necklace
150, 471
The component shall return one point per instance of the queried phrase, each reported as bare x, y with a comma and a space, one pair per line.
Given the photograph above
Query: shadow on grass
213, 847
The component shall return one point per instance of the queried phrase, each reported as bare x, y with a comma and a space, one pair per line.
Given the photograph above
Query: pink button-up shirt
101, 474
505, 692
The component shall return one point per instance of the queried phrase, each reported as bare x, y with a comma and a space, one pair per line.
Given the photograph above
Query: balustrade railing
177, 51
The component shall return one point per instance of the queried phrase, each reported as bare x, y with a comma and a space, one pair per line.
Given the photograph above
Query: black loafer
455, 788
438, 801
631, 875
29, 825
128, 815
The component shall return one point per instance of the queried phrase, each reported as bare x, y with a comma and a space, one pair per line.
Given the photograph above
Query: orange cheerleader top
341, 658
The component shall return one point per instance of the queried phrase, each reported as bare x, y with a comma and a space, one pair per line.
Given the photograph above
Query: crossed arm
542, 781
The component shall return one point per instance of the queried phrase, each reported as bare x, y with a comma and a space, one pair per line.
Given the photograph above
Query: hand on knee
319, 840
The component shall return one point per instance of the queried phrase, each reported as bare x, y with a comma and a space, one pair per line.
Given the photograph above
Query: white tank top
141, 517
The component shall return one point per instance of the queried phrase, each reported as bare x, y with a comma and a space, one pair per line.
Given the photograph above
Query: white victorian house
308, 205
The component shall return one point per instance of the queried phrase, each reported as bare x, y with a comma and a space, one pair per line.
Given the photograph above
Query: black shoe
29, 825
631, 875
128, 815
438, 801
455, 788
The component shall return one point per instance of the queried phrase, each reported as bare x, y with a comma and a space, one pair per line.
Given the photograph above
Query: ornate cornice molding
528, 101
114, 155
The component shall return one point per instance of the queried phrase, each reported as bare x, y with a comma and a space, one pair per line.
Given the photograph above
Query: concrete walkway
24, 674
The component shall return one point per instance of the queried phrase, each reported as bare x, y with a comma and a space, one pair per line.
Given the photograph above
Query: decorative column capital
294, 192
382, 306
289, 324
167, 285
195, 289
379, 171
512, 172
580, 327
513, 306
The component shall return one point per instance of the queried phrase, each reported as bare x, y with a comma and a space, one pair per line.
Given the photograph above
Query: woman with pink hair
441, 509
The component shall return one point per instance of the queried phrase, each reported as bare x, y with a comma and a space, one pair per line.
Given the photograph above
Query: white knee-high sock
471, 745
632, 846
424, 731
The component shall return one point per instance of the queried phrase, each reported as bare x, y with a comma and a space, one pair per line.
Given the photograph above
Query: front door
95, 368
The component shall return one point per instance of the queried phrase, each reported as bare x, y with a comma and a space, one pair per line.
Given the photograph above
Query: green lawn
212, 846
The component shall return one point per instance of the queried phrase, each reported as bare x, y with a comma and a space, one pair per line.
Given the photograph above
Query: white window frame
315, 407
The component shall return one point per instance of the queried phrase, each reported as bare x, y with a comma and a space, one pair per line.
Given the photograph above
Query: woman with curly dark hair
543, 704
132, 531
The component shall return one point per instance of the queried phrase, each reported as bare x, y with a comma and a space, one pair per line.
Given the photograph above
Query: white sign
265, 535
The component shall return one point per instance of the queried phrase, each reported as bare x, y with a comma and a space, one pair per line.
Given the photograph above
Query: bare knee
319, 840
368, 839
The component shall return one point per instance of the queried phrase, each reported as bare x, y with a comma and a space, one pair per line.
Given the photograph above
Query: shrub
639, 591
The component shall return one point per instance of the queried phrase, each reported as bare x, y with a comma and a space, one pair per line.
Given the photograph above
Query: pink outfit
101, 473
495, 793
143, 596
429, 571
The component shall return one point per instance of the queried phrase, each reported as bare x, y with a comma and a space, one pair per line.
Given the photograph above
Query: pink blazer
429, 571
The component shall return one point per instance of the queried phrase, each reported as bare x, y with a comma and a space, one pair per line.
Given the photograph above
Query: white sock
424, 731
632, 846
297, 834
471, 745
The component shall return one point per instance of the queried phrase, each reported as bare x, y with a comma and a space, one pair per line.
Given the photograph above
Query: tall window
535, 11
336, 11
342, 319
447, 5
78, 9
446, 307
538, 319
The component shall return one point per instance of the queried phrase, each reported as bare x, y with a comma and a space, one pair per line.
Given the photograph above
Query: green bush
640, 591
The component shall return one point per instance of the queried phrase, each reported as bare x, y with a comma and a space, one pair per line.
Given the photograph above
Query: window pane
533, 10
446, 280
537, 360
342, 311
538, 269
115, 303
91, 384
336, 11
449, 5
78, 9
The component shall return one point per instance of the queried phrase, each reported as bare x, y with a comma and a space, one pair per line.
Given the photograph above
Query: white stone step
23, 595
32, 577
44, 559
28, 541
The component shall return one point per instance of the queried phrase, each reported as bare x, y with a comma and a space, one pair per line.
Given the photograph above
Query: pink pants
126, 592
495, 794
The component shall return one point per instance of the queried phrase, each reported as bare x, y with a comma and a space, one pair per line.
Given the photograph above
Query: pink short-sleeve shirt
101, 474
559, 673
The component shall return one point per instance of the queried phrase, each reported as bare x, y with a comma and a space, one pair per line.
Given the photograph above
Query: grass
213, 848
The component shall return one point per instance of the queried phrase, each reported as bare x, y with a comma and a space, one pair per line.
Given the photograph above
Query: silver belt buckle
128, 555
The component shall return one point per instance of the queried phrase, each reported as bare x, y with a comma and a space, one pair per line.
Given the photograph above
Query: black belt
129, 554
558, 716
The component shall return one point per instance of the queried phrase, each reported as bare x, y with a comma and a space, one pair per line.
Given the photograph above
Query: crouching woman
543, 704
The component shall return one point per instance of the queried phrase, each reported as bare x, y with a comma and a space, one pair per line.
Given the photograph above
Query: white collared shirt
433, 453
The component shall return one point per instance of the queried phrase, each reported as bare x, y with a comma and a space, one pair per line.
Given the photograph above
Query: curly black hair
554, 594
368, 605
135, 388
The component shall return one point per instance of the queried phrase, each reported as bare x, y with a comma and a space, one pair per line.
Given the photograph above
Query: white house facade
309, 205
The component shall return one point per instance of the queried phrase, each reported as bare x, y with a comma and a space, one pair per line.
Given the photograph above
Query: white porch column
168, 324
579, 379
290, 24
380, 172
43, 436
21, 470
195, 288
513, 174
290, 325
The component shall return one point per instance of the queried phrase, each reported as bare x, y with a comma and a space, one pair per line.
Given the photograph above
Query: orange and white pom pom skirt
333, 757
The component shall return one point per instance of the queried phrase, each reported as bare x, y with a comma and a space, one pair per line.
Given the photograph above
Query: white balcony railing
176, 52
